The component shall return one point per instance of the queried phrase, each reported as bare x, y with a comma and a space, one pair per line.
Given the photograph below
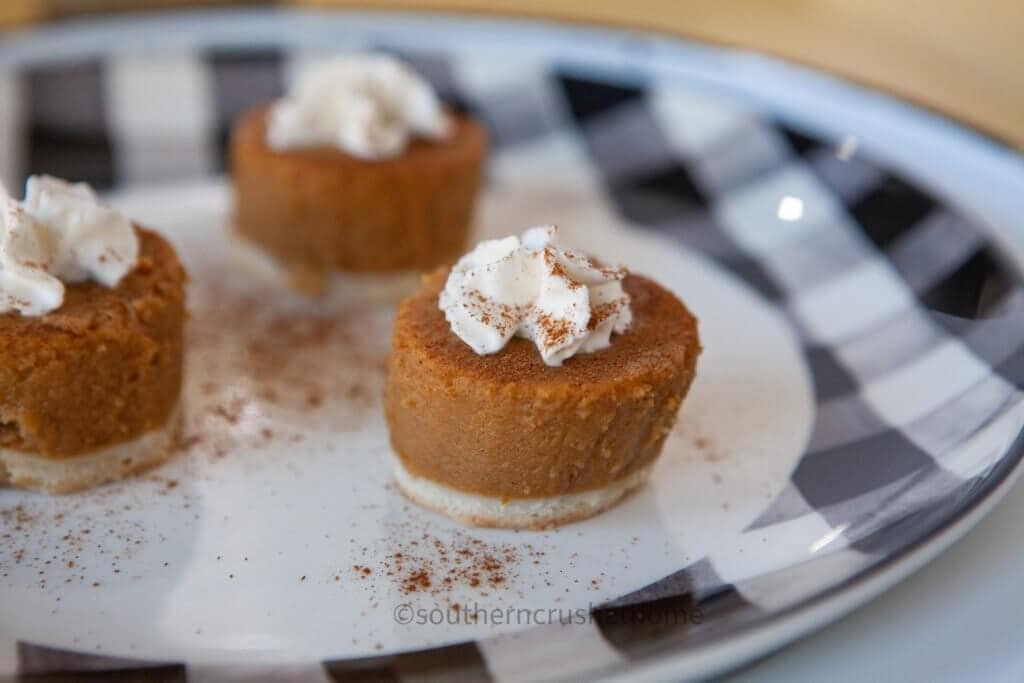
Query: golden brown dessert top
662, 329
466, 134
89, 306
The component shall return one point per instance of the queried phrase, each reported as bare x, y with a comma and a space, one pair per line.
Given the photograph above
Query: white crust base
68, 475
339, 288
522, 513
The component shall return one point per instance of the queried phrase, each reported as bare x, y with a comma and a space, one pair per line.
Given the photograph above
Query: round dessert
328, 216
89, 391
508, 440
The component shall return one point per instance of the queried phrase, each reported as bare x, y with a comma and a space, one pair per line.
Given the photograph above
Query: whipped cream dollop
59, 234
530, 287
366, 105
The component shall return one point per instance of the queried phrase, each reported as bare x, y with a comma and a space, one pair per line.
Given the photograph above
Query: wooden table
964, 59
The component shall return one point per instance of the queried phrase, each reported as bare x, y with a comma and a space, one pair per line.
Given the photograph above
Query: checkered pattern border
912, 327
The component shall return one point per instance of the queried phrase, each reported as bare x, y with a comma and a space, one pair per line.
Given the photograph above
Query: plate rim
832, 604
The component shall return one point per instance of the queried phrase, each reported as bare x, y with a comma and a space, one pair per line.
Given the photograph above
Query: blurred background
964, 59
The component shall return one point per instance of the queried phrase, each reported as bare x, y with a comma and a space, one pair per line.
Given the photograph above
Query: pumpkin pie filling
329, 205
505, 439
319, 213
89, 392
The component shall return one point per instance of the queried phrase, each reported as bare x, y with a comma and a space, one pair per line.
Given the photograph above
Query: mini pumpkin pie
355, 182
91, 315
531, 386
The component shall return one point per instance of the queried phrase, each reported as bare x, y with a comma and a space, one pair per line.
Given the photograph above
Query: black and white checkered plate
878, 238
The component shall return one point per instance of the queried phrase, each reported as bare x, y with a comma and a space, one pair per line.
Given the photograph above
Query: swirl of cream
366, 105
528, 286
60, 234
